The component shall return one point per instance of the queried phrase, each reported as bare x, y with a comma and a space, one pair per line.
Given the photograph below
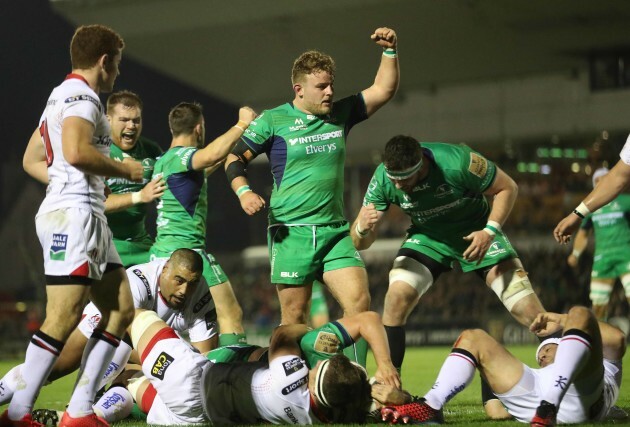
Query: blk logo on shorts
160, 366
58, 247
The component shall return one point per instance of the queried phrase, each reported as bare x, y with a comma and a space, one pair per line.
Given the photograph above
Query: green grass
419, 372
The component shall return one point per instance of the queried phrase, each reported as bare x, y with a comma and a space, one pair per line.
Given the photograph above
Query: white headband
404, 174
319, 383
544, 343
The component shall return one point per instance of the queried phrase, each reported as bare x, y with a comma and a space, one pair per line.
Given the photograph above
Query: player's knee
141, 323
411, 272
600, 293
579, 313
511, 287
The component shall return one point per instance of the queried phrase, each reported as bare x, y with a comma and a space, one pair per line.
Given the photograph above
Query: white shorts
175, 372
523, 399
75, 243
89, 320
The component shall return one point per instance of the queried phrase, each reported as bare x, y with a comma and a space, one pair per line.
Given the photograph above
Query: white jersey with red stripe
68, 186
197, 317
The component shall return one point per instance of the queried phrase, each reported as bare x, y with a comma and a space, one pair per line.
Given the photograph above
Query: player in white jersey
609, 187
70, 148
173, 288
187, 388
578, 379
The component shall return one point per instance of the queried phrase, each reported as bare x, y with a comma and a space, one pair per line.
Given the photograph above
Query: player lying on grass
189, 389
578, 379
298, 360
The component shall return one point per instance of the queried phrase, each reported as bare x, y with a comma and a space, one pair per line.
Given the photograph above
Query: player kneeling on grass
183, 387
578, 379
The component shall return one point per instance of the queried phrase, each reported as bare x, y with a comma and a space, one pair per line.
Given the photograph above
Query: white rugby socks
456, 373
572, 355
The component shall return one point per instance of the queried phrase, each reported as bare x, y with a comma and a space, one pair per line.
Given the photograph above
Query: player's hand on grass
480, 242
388, 375
251, 202
389, 395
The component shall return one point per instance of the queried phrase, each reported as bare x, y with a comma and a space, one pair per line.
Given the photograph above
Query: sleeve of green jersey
376, 191
324, 342
478, 172
259, 135
351, 110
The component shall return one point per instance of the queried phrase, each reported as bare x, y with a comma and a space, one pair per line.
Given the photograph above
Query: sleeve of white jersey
140, 288
290, 380
625, 152
84, 106
203, 320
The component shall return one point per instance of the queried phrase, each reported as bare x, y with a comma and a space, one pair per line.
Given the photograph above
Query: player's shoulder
143, 276
75, 91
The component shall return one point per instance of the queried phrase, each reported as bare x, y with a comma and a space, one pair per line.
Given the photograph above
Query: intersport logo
316, 138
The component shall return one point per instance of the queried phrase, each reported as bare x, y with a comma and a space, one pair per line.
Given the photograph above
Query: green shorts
212, 271
611, 265
450, 251
134, 252
299, 254
318, 300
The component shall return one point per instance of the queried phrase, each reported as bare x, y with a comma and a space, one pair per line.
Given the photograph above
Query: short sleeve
375, 193
259, 134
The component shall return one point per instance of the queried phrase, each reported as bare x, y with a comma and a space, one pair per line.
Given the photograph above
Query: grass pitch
419, 372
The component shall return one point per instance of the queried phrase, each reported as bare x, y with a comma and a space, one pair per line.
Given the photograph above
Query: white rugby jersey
198, 316
281, 392
625, 152
68, 186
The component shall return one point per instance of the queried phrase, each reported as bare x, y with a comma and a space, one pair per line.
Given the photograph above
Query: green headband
404, 174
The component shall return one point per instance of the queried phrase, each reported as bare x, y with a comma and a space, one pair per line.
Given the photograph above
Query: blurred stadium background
541, 88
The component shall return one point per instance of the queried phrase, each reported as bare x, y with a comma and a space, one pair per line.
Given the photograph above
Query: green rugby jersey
307, 155
449, 202
182, 210
611, 225
129, 223
324, 342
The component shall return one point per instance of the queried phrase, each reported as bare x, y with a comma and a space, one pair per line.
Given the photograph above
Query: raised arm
388, 74
34, 160
216, 152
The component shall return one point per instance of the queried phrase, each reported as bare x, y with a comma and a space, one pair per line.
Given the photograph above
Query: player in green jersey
442, 187
182, 210
126, 207
305, 141
611, 259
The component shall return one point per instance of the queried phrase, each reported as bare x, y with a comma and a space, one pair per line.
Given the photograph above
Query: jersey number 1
43, 131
